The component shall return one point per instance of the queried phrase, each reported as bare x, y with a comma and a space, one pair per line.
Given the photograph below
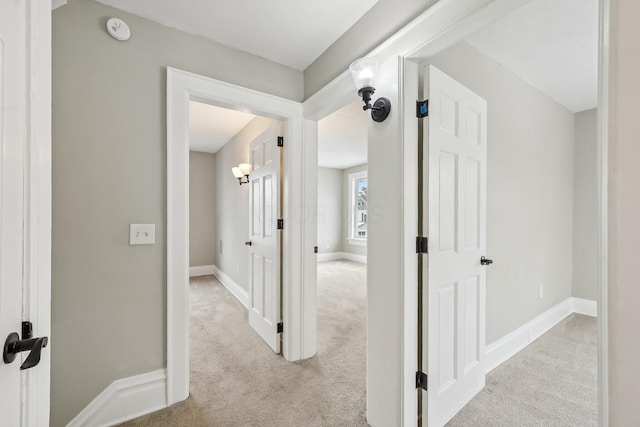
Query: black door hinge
422, 108
281, 141
281, 224
422, 245
315, 249
280, 327
421, 380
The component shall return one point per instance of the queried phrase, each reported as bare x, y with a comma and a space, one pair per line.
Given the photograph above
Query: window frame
353, 238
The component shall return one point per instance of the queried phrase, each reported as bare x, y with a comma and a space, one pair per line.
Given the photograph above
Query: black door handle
14, 345
249, 243
485, 261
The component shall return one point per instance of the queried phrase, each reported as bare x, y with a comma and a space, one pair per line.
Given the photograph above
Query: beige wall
232, 203
109, 170
329, 210
346, 218
383, 20
585, 207
624, 214
202, 209
529, 190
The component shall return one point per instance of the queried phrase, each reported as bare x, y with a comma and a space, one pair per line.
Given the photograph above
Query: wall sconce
242, 172
364, 71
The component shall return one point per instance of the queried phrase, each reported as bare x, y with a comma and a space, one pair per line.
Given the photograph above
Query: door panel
265, 289
455, 220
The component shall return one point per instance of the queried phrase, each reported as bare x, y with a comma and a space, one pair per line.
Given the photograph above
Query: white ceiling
289, 32
211, 127
342, 137
550, 44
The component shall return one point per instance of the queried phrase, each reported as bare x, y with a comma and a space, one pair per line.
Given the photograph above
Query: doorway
183, 87
519, 211
342, 218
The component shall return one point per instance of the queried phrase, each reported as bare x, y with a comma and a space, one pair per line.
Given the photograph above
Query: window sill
357, 242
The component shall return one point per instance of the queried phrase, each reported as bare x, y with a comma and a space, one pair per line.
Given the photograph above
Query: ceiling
550, 44
211, 127
289, 32
342, 137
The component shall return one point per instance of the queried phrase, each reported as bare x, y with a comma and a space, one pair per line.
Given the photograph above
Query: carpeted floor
552, 382
236, 380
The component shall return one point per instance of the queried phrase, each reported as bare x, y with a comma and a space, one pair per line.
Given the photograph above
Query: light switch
142, 234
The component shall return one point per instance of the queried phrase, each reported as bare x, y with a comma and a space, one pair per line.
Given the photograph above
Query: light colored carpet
236, 380
552, 382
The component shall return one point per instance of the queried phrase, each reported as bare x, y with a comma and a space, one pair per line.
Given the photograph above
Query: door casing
182, 87
35, 143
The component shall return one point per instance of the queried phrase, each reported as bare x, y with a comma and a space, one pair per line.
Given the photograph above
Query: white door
265, 208
455, 135
25, 227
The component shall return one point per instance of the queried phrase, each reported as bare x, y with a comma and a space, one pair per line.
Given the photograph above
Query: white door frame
38, 195
183, 86
36, 230
439, 27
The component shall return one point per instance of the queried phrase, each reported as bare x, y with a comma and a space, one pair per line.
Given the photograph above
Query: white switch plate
142, 234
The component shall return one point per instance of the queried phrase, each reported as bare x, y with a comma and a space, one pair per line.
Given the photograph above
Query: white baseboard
342, 255
201, 270
124, 400
235, 289
329, 256
506, 347
354, 257
585, 306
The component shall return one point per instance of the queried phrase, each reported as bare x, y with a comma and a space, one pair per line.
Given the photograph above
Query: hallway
236, 380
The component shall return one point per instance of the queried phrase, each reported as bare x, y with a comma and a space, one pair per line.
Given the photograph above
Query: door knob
485, 261
249, 243
14, 345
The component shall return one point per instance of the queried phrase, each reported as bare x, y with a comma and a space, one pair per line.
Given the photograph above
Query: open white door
265, 208
455, 137
25, 210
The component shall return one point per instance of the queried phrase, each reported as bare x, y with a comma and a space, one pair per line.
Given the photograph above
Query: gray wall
624, 211
346, 246
585, 207
530, 191
329, 210
109, 170
232, 203
202, 209
384, 19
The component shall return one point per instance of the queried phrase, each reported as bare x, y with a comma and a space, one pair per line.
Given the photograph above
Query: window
358, 208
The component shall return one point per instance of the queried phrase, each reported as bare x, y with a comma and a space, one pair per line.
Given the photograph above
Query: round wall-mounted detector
118, 29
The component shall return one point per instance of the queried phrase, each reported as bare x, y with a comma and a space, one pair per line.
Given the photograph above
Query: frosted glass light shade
245, 168
364, 72
237, 172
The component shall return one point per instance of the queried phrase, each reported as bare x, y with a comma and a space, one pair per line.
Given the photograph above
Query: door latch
14, 345
485, 261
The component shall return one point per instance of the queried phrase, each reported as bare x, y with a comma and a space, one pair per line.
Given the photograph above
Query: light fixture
242, 172
364, 71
